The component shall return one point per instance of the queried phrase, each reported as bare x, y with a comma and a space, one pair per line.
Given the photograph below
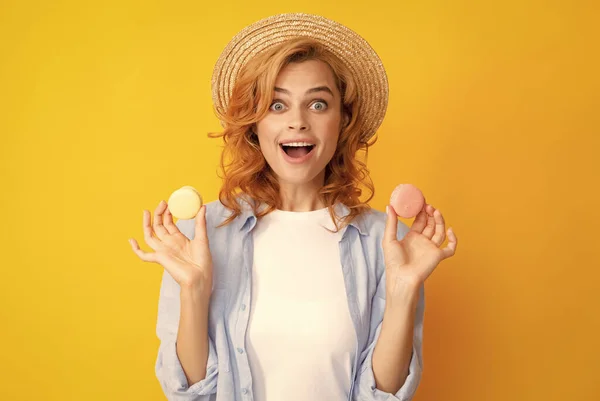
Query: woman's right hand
189, 262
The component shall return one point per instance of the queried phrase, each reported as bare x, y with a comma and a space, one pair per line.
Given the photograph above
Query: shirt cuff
367, 390
172, 378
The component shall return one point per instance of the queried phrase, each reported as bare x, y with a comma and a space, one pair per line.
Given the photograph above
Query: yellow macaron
185, 202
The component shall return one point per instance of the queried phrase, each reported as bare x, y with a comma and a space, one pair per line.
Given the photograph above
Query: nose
297, 121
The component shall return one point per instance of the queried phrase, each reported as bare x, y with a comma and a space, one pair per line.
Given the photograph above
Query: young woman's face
306, 108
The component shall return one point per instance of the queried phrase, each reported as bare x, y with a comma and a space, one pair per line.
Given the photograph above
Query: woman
292, 288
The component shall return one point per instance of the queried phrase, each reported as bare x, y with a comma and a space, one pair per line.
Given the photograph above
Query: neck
301, 198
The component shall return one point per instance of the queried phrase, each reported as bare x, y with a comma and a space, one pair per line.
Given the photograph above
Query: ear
252, 130
251, 137
345, 119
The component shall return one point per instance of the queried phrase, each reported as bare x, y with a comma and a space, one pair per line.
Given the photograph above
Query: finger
168, 222
450, 249
440, 228
200, 226
420, 221
160, 230
150, 240
145, 256
391, 225
430, 226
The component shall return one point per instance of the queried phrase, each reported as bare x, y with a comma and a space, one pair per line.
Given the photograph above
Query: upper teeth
297, 144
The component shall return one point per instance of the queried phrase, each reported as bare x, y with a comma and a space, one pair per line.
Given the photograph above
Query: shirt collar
247, 219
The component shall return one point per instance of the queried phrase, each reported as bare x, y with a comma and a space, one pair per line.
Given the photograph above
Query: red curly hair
249, 103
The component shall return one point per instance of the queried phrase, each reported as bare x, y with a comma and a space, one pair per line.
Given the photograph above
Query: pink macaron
407, 200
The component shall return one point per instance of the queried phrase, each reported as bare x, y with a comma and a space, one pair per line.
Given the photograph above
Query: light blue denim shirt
228, 376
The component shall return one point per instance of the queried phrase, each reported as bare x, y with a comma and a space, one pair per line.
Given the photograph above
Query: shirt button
243, 306
245, 391
241, 351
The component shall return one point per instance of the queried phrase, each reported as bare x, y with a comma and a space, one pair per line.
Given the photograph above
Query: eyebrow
312, 90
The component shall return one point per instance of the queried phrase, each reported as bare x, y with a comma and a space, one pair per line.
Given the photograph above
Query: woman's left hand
410, 261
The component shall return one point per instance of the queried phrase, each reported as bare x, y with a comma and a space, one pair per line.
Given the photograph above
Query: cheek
334, 123
266, 133
332, 130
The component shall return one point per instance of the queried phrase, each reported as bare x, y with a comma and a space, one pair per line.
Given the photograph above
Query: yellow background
493, 113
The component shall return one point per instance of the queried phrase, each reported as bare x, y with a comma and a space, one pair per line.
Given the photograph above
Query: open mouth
297, 152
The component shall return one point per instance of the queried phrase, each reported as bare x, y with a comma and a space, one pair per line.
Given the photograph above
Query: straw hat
351, 48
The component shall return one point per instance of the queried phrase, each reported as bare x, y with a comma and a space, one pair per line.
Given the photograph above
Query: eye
276, 106
320, 105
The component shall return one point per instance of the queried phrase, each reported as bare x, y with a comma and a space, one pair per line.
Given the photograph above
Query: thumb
391, 225
200, 226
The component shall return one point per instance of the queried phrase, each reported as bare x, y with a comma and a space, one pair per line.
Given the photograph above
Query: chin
300, 178
294, 180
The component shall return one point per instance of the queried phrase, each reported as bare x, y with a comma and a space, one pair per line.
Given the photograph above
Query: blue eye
274, 104
324, 103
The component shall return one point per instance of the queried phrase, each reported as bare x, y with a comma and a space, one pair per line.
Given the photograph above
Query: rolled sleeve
172, 377
168, 369
365, 387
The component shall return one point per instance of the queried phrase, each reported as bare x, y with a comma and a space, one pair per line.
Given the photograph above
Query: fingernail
387, 211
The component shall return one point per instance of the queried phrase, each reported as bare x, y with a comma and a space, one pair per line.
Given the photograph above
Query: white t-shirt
300, 340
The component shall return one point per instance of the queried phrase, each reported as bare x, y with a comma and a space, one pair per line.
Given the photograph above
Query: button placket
244, 318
